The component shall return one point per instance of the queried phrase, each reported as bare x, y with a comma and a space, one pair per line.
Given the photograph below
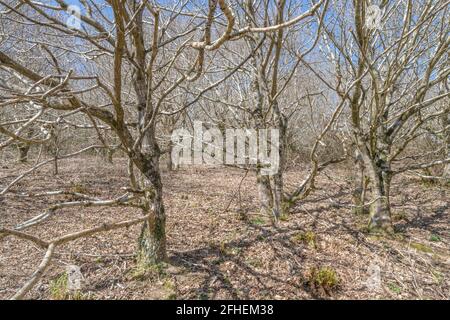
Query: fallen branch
120, 201
57, 193
4, 232
51, 245
36, 275
104, 227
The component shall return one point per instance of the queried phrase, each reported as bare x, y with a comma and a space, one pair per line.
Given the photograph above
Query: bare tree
118, 66
399, 66
258, 97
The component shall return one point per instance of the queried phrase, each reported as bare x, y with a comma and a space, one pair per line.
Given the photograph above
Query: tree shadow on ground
208, 260
436, 223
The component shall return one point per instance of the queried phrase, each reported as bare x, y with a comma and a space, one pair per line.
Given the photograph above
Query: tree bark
265, 193
446, 128
23, 152
169, 162
380, 211
109, 155
152, 241
361, 182
281, 121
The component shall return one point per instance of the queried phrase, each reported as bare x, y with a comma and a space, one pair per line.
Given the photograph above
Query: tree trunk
152, 241
110, 153
55, 166
278, 208
265, 193
54, 145
380, 211
23, 152
24, 148
169, 158
446, 173
361, 182
446, 126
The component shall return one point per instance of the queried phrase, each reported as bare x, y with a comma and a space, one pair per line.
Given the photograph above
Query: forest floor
220, 247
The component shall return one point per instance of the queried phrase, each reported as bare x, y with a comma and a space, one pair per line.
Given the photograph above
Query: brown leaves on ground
215, 254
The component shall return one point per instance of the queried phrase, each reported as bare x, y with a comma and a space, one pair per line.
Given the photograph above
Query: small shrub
58, 287
394, 288
258, 221
308, 237
60, 291
172, 296
170, 287
435, 238
143, 271
324, 279
203, 296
